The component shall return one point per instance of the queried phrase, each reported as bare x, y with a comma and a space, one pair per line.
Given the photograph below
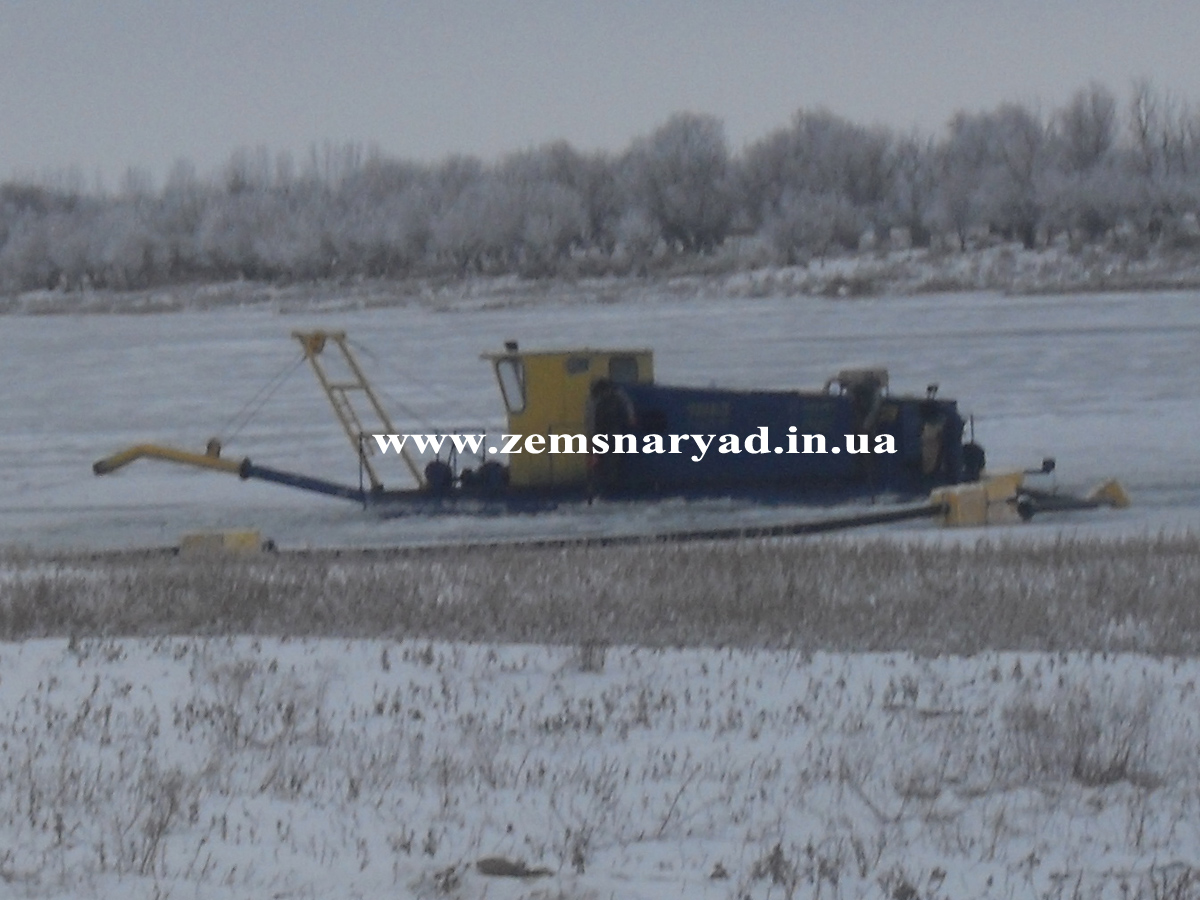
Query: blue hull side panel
927, 435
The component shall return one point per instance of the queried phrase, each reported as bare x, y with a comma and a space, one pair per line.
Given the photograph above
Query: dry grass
1131, 594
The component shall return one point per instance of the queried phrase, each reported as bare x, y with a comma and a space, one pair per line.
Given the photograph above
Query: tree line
1098, 169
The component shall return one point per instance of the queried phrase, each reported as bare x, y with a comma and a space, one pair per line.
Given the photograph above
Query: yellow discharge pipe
170, 454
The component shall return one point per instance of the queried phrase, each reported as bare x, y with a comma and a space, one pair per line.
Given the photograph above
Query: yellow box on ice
991, 501
221, 542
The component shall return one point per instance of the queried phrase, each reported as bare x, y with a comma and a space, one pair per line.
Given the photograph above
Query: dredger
850, 440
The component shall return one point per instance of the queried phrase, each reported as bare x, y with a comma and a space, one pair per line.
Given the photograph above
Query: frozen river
1107, 384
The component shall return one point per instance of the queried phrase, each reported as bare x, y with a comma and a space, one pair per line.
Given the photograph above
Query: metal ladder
339, 394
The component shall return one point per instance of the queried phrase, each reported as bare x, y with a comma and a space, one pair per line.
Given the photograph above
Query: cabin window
577, 365
623, 369
510, 372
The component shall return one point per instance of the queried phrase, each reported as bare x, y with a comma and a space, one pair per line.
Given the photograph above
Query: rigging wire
431, 389
240, 419
236, 423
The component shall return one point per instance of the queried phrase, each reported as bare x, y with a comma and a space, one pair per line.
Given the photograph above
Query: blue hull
926, 433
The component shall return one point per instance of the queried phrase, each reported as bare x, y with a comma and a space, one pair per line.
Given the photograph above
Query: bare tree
1021, 146
248, 170
1163, 155
1086, 128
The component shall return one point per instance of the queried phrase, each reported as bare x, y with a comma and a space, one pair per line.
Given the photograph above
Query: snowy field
314, 767
236, 768
1105, 383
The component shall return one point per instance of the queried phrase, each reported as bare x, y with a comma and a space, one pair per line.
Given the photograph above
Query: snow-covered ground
1106, 383
326, 768
736, 272
247, 767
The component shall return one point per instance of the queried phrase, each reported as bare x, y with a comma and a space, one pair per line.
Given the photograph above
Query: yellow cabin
546, 393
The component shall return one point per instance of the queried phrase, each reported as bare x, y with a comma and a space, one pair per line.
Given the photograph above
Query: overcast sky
107, 84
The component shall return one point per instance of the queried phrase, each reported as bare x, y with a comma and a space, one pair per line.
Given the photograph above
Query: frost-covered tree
824, 159
555, 221
479, 231
248, 170
913, 188
25, 258
1164, 157
680, 175
126, 250
637, 237
806, 189
181, 208
991, 173
378, 221
1083, 189
548, 187
805, 224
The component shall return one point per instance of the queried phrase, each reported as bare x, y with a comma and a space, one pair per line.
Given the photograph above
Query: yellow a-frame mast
338, 392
